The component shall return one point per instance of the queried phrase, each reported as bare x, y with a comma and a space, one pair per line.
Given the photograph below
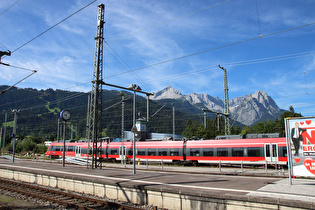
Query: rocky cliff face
247, 109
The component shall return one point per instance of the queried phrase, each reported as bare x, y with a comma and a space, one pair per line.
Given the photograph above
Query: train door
78, 151
122, 152
271, 152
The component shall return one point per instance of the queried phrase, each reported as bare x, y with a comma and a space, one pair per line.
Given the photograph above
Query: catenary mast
94, 121
226, 104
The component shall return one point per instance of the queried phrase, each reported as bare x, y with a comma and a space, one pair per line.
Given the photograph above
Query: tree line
195, 129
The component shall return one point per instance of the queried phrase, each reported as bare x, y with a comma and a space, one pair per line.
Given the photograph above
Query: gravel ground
11, 200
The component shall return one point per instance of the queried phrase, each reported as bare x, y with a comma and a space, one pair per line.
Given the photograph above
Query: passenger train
227, 151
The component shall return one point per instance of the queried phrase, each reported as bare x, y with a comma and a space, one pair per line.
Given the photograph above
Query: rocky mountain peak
245, 109
167, 93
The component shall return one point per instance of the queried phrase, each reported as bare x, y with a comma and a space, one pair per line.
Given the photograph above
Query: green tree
247, 130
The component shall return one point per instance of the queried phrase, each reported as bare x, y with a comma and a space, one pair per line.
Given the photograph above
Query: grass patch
4, 198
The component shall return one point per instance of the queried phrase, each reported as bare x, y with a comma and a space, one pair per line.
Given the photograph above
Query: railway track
65, 199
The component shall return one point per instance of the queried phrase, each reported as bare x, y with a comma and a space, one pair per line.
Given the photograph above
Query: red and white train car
236, 151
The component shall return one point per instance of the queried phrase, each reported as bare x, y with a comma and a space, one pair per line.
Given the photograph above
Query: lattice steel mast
94, 120
226, 103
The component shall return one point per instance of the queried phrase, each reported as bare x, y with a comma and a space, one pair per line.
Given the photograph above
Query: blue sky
265, 45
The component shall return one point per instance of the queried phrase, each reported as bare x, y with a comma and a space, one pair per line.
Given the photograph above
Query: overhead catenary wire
128, 68
231, 64
165, 22
116, 104
4, 47
9, 7
3, 91
215, 48
53, 26
17, 67
171, 20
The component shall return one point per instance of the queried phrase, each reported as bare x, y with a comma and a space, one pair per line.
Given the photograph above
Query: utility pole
14, 132
122, 115
5, 128
95, 104
0, 138
58, 129
226, 104
173, 121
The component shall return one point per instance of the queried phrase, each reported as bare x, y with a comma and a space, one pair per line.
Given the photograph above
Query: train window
283, 152
194, 152
274, 150
58, 148
162, 152
70, 148
238, 152
174, 152
222, 152
113, 152
130, 151
253, 152
267, 150
84, 150
152, 152
208, 152
140, 151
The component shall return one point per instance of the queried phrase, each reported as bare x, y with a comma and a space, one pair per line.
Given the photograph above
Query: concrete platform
172, 188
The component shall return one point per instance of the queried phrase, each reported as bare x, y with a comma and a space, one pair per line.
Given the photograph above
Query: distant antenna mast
95, 101
226, 104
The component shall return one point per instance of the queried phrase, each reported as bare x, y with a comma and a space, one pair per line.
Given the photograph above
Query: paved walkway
204, 181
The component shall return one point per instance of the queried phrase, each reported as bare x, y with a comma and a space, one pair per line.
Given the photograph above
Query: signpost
65, 116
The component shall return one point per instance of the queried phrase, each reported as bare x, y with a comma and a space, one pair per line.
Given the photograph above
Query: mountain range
40, 110
247, 110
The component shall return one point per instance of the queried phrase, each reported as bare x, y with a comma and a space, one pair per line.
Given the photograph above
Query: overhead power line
9, 7
171, 20
17, 67
34, 71
212, 49
53, 26
126, 66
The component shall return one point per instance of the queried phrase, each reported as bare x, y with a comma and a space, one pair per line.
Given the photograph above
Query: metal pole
134, 133
122, 115
122, 128
148, 107
64, 145
173, 122
14, 132
71, 132
218, 121
204, 120
0, 137
5, 128
226, 103
58, 129
289, 153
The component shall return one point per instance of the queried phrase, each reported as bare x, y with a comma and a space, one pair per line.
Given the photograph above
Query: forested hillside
39, 112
